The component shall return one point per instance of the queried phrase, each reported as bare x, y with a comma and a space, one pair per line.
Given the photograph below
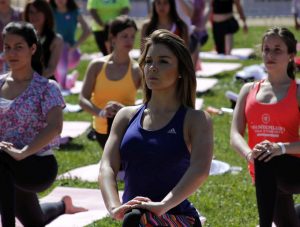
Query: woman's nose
153, 68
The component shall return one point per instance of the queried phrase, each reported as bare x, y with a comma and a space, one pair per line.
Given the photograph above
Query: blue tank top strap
175, 125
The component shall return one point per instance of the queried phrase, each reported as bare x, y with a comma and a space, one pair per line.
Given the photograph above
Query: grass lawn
225, 200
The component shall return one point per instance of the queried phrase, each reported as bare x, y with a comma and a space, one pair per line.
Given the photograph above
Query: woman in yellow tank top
111, 82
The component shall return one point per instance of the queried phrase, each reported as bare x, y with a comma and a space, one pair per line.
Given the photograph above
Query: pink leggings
68, 60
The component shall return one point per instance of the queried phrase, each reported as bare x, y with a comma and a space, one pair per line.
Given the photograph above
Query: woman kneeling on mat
30, 123
164, 146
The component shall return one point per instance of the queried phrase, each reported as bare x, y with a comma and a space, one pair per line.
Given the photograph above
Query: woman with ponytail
270, 109
39, 14
164, 146
30, 124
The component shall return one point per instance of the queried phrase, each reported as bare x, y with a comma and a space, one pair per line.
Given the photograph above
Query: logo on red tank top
265, 118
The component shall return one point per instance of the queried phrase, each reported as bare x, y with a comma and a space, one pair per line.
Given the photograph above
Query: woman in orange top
270, 109
111, 82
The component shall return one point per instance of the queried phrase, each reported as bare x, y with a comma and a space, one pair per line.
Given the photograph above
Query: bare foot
70, 208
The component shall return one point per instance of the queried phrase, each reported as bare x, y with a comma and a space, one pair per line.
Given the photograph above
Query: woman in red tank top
270, 110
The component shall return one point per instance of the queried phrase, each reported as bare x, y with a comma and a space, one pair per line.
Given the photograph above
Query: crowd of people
164, 146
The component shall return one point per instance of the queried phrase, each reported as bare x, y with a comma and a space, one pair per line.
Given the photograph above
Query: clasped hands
15, 153
264, 151
139, 202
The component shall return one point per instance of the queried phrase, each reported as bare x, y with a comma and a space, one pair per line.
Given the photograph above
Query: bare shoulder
97, 63
246, 88
198, 118
124, 116
198, 128
99, 60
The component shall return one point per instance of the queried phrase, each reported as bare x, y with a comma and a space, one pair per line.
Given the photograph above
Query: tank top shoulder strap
129, 71
255, 87
292, 92
138, 115
103, 68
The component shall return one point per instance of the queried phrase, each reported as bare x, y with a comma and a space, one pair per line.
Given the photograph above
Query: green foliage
226, 200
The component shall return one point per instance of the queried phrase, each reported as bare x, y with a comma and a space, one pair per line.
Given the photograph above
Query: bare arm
238, 125
206, 14
88, 87
96, 17
56, 48
242, 14
85, 31
110, 164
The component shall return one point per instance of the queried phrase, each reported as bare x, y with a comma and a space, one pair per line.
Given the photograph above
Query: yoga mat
199, 103
90, 172
236, 54
252, 72
218, 167
87, 198
205, 84
89, 57
209, 69
72, 108
74, 90
86, 173
73, 129
90, 199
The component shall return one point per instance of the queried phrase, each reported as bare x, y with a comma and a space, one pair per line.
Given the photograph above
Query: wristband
247, 156
282, 147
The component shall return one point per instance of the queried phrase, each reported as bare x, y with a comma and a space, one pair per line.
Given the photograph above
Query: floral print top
22, 120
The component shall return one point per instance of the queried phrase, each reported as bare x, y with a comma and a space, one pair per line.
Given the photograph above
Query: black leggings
102, 138
20, 182
276, 181
132, 218
220, 30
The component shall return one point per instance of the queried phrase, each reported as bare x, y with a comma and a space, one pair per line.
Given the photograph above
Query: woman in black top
224, 23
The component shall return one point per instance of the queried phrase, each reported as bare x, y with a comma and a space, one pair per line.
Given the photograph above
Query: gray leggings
20, 182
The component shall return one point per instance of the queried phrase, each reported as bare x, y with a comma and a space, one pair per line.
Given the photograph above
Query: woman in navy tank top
164, 146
